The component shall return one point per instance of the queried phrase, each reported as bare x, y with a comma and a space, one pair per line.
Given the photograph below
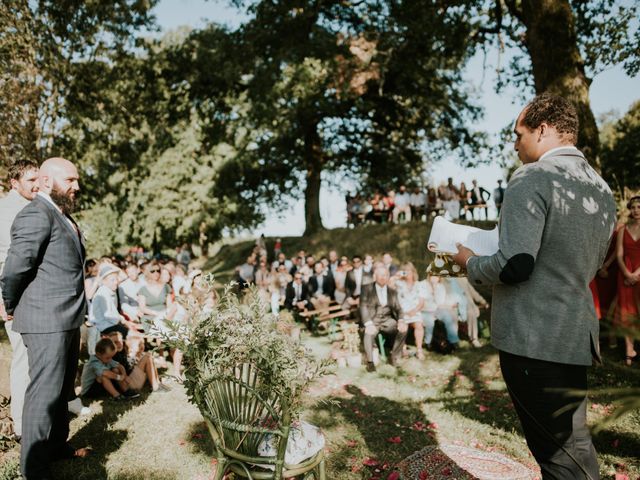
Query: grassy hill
406, 242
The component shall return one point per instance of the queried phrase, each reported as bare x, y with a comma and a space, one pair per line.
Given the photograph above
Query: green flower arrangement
234, 333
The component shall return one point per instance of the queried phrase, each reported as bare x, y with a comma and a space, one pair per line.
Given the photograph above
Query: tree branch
514, 9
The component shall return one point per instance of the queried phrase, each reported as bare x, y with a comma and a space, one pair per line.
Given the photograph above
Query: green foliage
620, 154
42, 43
363, 90
242, 332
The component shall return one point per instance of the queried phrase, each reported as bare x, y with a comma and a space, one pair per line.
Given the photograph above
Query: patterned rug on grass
462, 463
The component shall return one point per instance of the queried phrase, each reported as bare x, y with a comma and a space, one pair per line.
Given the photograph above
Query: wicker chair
239, 419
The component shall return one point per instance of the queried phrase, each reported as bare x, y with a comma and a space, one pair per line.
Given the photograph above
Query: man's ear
543, 131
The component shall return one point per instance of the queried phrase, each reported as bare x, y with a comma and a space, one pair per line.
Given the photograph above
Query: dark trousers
553, 420
389, 328
53, 362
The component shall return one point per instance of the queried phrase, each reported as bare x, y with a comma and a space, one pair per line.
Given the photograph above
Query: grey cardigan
556, 223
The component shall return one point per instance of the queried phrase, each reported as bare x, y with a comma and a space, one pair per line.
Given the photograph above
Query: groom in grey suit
555, 226
43, 292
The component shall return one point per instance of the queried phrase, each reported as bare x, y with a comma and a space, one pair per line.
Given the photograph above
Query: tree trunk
313, 160
558, 67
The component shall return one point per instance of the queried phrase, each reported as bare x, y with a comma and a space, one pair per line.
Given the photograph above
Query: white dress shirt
382, 295
10, 206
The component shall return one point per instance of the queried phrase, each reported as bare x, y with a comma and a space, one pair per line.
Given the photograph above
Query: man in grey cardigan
556, 222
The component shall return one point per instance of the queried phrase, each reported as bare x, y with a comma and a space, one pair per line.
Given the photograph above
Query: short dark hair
105, 345
554, 110
632, 200
18, 168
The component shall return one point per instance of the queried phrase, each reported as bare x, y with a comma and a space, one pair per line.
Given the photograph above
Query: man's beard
64, 200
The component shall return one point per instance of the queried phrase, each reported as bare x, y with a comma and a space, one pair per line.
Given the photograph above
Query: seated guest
321, 286
306, 268
438, 306
245, 272
102, 375
387, 260
339, 278
402, 204
297, 297
354, 282
180, 282
418, 202
334, 261
411, 302
154, 298
471, 312
367, 264
128, 292
103, 312
139, 367
281, 260
263, 279
380, 312
278, 288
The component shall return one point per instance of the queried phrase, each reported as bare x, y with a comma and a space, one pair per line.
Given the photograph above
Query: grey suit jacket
43, 277
369, 304
557, 219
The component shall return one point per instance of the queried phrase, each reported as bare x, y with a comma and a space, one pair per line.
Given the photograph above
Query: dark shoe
131, 393
371, 367
394, 361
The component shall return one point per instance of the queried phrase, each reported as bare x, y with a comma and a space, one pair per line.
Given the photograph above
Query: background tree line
202, 131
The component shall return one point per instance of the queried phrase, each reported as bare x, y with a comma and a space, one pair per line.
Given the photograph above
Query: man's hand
3, 313
603, 272
402, 326
370, 329
463, 255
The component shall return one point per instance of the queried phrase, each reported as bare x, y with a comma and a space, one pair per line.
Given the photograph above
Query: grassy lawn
378, 418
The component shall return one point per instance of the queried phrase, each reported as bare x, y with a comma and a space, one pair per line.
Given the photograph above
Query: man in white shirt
380, 312
402, 205
128, 292
418, 202
23, 176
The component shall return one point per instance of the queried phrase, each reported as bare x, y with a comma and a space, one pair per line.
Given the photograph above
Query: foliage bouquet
218, 341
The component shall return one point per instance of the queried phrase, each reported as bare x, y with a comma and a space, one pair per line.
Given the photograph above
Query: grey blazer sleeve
522, 222
30, 235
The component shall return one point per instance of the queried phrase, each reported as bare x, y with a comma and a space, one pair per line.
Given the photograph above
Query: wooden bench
472, 208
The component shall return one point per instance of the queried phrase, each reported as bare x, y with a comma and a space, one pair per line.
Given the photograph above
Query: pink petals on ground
483, 408
394, 440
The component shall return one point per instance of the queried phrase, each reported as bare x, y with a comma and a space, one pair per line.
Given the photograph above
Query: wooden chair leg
322, 470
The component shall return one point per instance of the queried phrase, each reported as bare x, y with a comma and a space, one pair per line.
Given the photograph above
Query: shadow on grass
383, 430
482, 404
102, 438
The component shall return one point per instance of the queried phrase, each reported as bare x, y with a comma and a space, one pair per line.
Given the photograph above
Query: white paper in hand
444, 236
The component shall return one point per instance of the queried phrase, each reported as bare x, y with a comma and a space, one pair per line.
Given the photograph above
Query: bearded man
43, 292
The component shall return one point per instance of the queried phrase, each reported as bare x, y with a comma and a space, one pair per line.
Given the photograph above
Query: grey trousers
388, 328
53, 362
19, 376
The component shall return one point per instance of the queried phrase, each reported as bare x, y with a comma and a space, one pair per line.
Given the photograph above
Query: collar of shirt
16, 197
48, 198
549, 153
382, 294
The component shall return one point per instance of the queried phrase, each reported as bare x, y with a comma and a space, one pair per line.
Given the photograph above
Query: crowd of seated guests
383, 297
457, 202
131, 300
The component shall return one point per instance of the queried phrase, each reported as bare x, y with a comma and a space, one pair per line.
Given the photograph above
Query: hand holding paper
445, 235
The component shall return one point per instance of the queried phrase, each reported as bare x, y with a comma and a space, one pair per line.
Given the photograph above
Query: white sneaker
75, 406
476, 343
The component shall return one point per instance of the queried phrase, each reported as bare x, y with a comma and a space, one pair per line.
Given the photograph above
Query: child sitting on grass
138, 367
103, 375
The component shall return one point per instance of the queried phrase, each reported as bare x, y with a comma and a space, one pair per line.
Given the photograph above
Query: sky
611, 90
